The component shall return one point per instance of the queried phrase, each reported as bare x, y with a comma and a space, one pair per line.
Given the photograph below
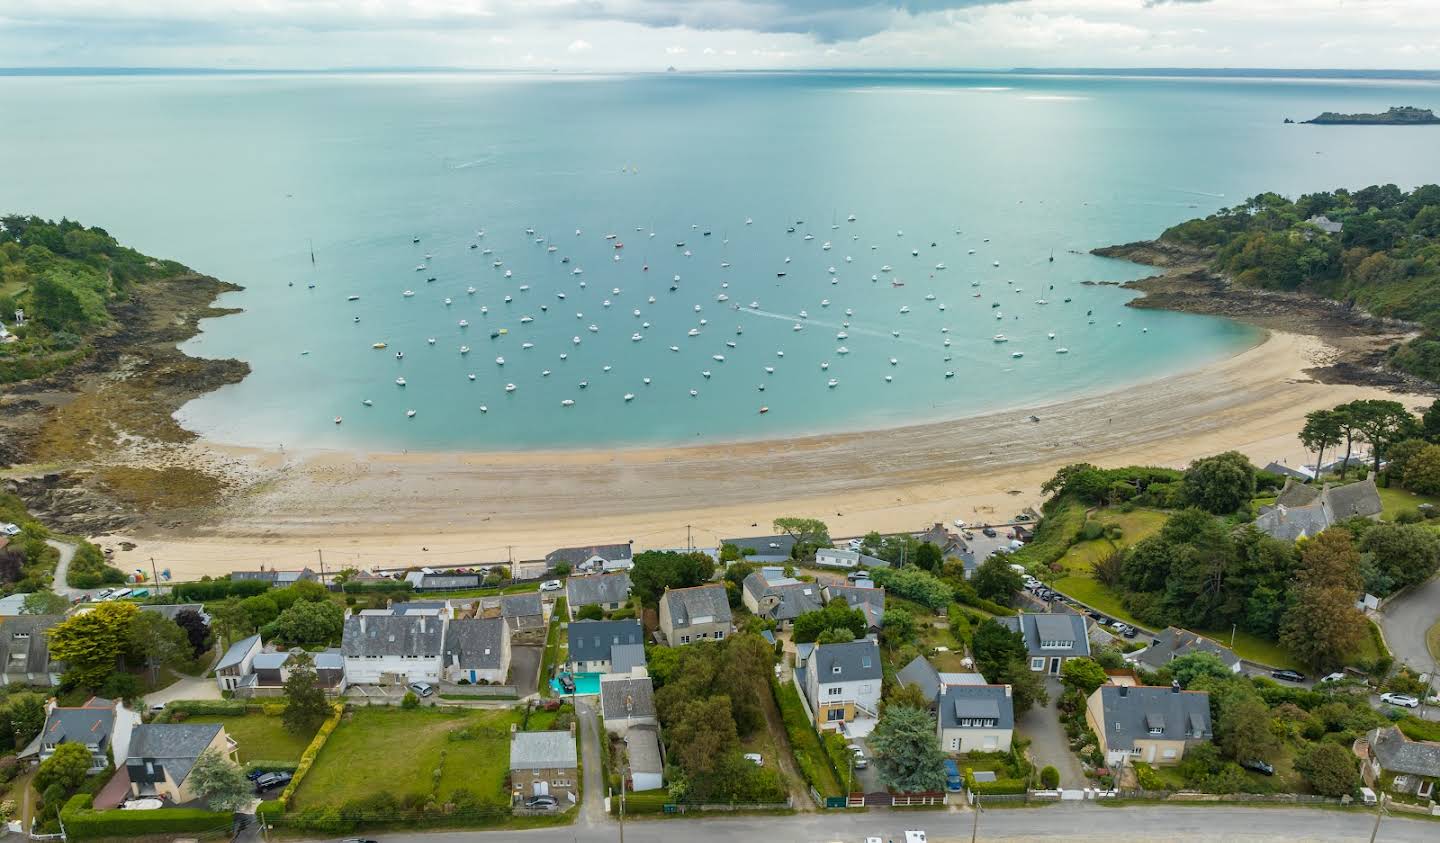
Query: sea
674, 258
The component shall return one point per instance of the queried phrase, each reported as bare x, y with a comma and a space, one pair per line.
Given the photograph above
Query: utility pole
320, 553
155, 574
689, 542
1379, 812
510, 559
1233, 627
623, 769
975, 826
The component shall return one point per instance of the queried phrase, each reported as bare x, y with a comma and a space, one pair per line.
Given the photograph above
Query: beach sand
388, 510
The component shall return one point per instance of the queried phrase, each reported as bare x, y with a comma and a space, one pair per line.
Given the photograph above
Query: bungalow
1174, 643
763, 549
279, 579
544, 764
1147, 723
1050, 639
608, 591
236, 663
477, 650
162, 755
1326, 224
592, 642
104, 727
627, 700
1302, 510
834, 557
422, 581
270, 670
607, 558
1413, 767
642, 750
842, 682
869, 599
393, 649
768, 593
694, 614
931, 682
976, 718
25, 651
1302, 473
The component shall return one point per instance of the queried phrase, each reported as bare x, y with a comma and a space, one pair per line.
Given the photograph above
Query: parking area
868, 779
1049, 746
525, 669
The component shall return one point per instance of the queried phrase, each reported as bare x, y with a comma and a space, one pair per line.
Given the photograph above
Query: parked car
989, 532
960, 522
1333, 677
1024, 516
423, 689
857, 575
1130, 632
541, 803
1400, 699
953, 781
755, 758
1258, 766
272, 780
358, 840
551, 585
1288, 675
9, 529
855, 544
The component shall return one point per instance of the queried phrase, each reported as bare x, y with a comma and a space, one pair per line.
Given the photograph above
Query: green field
410, 746
1397, 501
261, 738
1136, 526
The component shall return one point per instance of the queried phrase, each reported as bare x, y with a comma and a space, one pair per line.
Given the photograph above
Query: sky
601, 35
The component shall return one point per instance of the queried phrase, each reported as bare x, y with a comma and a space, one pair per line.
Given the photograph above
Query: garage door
541, 789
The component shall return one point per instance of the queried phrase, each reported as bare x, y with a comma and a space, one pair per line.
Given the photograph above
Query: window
833, 692
1156, 730
684, 639
1135, 752
1037, 664
835, 669
1169, 753
719, 635
954, 744
865, 689
835, 714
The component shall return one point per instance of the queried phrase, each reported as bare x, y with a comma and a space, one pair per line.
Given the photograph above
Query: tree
909, 696
43, 602
914, 584
808, 533
409, 701
907, 751
995, 647
1220, 484
592, 612
701, 732
1322, 624
196, 630
1348, 419
1084, 675
305, 705
1243, 729
898, 625
838, 635
1027, 687
260, 609
1406, 553
929, 557
1381, 423
220, 782
230, 619
309, 622
657, 570
996, 580
1422, 471
1049, 778
1330, 768
26, 717
67, 767
1430, 423
836, 614
1191, 666
90, 644
1321, 431
158, 641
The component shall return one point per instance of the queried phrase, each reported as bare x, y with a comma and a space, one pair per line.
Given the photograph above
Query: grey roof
236, 652
854, 595
764, 545
1398, 754
950, 543
88, 723
1289, 471
1360, 499
626, 657
1130, 713
922, 674
331, 659
1288, 524
642, 745
1326, 224
32, 641
1297, 494
174, 745
855, 557
170, 610
1300, 510
795, 597
520, 605
855, 660
392, 635
976, 701
639, 693
411, 607
576, 555
700, 604
1174, 642
476, 643
269, 661
605, 588
1060, 626
593, 640
440, 582
542, 750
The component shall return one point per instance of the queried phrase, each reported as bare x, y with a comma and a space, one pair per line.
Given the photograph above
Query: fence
1196, 796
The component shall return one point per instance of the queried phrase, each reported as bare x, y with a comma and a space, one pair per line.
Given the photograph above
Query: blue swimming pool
585, 683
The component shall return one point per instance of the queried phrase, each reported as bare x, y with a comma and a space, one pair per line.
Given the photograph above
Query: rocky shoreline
95, 447
1188, 285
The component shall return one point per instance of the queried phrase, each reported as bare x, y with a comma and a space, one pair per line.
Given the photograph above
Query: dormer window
1156, 730
835, 670
865, 661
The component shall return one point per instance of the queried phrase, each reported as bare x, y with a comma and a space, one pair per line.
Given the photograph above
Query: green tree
259, 609
309, 622
158, 642
67, 767
917, 585
905, 696
1220, 484
43, 602
1382, 423
701, 733
409, 701
808, 533
1191, 666
1049, 778
25, 717
1348, 417
1084, 675
907, 751
1243, 730
1430, 422
996, 580
929, 557
657, 570
220, 782
1331, 769
898, 625
1422, 471
305, 705
1322, 624
231, 620
90, 644
995, 646
836, 614
592, 612
1027, 687
1406, 553
1322, 430
838, 635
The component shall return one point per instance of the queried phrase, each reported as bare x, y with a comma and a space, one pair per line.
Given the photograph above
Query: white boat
508, 299
895, 333
888, 378
929, 297
780, 354
826, 246
575, 340
804, 314
914, 253
577, 271
694, 332
842, 336
894, 362
885, 268
338, 419
1051, 335
464, 323
584, 384
464, 349
905, 308
509, 387
352, 298
850, 218
719, 357
722, 297
635, 312
615, 291
408, 293
525, 320
471, 376
674, 348
693, 393
697, 308
797, 327
824, 302
832, 383
842, 350
947, 342
409, 414
399, 381
593, 328
730, 344
484, 310
940, 265
1018, 354
645, 381
1062, 350
1000, 338
824, 364
995, 263
605, 368
499, 361
949, 374
367, 402
748, 221
636, 337
560, 296
564, 356
525, 345
484, 409
629, 396
508, 273
567, 403
706, 373
769, 370
605, 303
754, 305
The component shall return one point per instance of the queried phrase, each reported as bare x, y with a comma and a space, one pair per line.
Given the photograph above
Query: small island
1404, 115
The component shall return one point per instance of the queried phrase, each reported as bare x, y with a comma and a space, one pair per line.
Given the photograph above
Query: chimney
1007, 690
1174, 686
1124, 691
362, 624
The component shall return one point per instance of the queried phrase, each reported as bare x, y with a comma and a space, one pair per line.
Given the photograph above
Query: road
1405, 621
62, 570
1056, 822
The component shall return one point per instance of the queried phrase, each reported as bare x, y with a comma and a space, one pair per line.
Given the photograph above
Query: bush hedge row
307, 758
205, 590
83, 823
995, 788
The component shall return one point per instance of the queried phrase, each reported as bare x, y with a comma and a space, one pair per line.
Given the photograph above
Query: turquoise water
238, 176
585, 684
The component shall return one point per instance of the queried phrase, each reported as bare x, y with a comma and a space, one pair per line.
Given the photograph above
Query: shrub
409, 700
996, 788
83, 823
1049, 778
307, 758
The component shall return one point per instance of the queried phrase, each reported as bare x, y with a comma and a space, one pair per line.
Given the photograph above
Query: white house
842, 682
976, 718
237, 663
1051, 639
834, 557
387, 649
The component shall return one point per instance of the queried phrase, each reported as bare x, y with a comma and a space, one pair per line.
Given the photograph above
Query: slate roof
174, 745
392, 635
236, 652
640, 692
520, 605
416, 607
874, 595
1297, 494
169, 611
626, 657
1288, 524
593, 640
605, 588
35, 646
1060, 626
1398, 754
91, 722
796, 597
642, 745
700, 604
1360, 499
1180, 715
441, 582
542, 750
923, 675
575, 555
976, 701
1302, 473
764, 545
1174, 642
476, 643
1300, 510
855, 659
854, 557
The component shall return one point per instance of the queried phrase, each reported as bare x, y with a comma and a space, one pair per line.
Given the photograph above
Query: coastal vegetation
1401, 115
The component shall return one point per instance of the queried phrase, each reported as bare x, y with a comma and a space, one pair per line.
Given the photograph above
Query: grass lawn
1136, 526
1397, 501
261, 738
412, 745
810, 756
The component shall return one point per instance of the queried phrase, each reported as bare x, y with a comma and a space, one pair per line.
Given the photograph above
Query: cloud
675, 51
579, 45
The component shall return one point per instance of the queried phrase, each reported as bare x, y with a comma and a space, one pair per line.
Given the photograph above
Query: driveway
62, 570
525, 669
185, 688
1405, 621
1049, 747
868, 779
592, 806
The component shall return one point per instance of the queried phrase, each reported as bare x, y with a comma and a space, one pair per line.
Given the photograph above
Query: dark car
272, 780
1130, 632
541, 803
255, 774
989, 531
1288, 675
1258, 766
358, 840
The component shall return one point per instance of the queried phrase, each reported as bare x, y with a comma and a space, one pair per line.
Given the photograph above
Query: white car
1400, 699
551, 585
855, 544
755, 758
1333, 677
9, 530
960, 523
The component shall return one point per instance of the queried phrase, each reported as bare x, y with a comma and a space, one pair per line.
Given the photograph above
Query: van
953, 782
120, 595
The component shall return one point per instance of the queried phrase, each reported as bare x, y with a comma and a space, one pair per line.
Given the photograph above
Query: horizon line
1167, 70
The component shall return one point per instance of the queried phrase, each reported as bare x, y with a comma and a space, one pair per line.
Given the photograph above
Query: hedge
996, 788
643, 802
206, 590
83, 823
307, 758
805, 743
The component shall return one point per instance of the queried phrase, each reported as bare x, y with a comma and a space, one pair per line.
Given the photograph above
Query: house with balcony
1147, 723
701, 613
842, 683
1050, 639
162, 755
975, 718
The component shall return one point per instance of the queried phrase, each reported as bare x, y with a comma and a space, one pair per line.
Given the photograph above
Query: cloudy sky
721, 34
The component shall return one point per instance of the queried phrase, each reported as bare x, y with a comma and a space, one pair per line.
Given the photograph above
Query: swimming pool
585, 683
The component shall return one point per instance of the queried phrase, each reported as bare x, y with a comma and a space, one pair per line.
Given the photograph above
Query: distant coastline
1404, 115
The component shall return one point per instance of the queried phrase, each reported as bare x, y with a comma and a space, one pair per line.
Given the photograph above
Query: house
279, 579
627, 700
386, 649
522, 612
544, 764
1147, 723
591, 643
869, 599
1050, 639
270, 670
607, 558
642, 752
1413, 766
976, 718
477, 650
1326, 225
11, 605
25, 650
834, 557
433, 608
768, 593
608, 591
104, 727
236, 662
1174, 643
763, 549
422, 581
1302, 510
169, 611
1302, 473
694, 614
842, 682
923, 675
162, 755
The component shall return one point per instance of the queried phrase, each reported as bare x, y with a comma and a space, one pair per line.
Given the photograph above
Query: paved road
1405, 621
62, 569
592, 806
1048, 744
1056, 822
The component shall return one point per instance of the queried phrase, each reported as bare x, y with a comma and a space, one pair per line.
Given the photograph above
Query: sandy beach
378, 509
